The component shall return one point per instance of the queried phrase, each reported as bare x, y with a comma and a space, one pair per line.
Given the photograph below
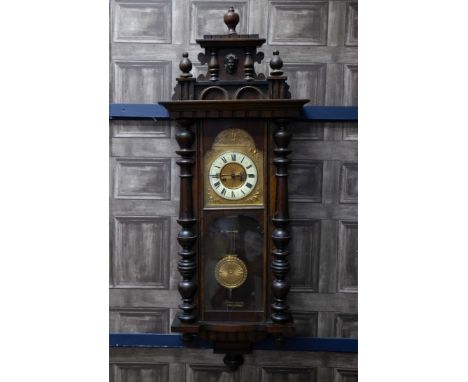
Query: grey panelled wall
318, 42
177, 365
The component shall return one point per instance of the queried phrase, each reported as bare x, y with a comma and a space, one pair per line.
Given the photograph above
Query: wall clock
233, 137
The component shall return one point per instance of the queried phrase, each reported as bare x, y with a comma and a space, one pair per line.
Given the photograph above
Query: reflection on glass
233, 264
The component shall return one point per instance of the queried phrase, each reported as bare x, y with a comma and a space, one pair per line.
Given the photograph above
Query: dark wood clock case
231, 95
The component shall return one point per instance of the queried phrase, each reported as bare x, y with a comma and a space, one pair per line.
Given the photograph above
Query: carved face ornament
230, 63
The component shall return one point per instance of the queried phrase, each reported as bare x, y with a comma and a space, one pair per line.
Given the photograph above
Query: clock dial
233, 175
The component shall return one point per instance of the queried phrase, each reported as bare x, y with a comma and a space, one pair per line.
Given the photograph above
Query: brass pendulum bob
230, 271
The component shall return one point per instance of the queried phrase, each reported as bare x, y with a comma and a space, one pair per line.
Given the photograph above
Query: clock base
232, 338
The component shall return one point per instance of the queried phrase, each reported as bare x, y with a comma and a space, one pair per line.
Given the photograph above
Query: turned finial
231, 19
276, 63
186, 66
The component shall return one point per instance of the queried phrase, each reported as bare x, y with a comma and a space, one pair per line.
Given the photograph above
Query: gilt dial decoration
233, 170
233, 175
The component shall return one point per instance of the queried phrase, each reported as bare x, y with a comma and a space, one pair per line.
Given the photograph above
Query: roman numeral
242, 159
217, 166
233, 195
233, 157
224, 159
248, 185
214, 175
223, 191
248, 166
217, 184
243, 191
251, 175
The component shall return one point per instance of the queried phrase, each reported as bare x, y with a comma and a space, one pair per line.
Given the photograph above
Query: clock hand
239, 174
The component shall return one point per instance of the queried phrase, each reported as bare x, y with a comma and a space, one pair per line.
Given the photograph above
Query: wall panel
346, 325
142, 81
347, 256
287, 374
352, 24
139, 320
141, 129
128, 372
350, 85
140, 256
210, 373
349, 183
142, 21
142, 178
304, 254
307, 81
309, 26
305, 181
345, 375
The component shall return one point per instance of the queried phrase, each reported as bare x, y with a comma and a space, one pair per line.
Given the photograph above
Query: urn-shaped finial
276, 63
231, 19
185, 65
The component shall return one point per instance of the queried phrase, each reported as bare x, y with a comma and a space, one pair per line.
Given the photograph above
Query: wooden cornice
252, 108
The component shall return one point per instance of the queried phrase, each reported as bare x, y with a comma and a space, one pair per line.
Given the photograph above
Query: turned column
280, 236
248, 65
213, 65
186, 265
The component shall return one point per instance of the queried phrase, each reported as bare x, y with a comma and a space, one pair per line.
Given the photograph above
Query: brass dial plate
230, 272
233, 175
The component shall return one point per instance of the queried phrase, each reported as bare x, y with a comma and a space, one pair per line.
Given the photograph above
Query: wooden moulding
252, 108
232, 339
227, 332
236, 41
